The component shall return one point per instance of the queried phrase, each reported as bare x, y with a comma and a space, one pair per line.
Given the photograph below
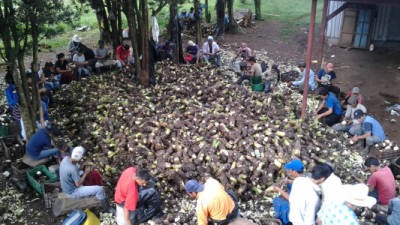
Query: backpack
77, 217
264, 66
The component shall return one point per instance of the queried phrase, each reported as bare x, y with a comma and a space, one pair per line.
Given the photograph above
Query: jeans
374, 194
86, 191
84, 72
351, 128
371, 140
211, 59
148, 206
381, 219
46, 153
331, 119
242, 78
267, 86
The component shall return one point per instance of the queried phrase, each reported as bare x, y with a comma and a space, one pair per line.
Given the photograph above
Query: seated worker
243, 52
103, 57
72, 183
211, 51
192, 53
330, 109
381, 183
300, 83
213, 202
166, 50
349, 124
123, 55
273, 79
48, 77
356, 93
354, 196
136, 198
255, 70
326, 77
393, 217
90, 57
370, 130
62, 68
74, 45
39, 145
82, 65
303, 192
12, 100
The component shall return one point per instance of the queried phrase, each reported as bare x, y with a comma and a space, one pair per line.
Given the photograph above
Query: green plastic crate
257, 87
30, 174
256, 80
3, 131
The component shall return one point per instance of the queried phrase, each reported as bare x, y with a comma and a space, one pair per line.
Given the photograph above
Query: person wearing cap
213, 202
102, 55
349, 124
326, 77
303, 198
192, 53
211, 51
381, 183
255, 70
370, 130
330, 109
72, 183
244, 52
300, 83
39, 145
323, 175
123, 55
354, 196
136, 198
74, 45
356, 93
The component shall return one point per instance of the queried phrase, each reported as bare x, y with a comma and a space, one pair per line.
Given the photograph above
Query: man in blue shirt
326, 77
311, 79
330, 109
370, 130
38, 146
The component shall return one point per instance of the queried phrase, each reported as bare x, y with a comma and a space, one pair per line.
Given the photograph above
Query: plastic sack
91, 218
77, 217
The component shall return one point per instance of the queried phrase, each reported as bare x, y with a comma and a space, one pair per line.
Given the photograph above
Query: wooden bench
63, 205
34, 163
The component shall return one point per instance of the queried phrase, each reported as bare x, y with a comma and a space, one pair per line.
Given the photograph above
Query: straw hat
357, 195
76, 38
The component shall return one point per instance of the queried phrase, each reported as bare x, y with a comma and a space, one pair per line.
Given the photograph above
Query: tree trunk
198, 21
144, 77
220, 7
208, 16
101, 15
233, 27
257, 4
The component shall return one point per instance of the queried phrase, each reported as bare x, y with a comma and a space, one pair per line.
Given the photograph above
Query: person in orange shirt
213, 202
136, 198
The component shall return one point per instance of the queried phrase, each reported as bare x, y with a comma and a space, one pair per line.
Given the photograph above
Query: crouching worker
136, 197
330, 109
213, 202
72, 183
39, 145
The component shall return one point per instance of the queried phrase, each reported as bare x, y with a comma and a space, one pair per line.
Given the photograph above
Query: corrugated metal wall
382, 23
334, 25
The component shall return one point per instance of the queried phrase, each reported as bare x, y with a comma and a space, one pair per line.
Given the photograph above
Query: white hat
191, 43
355, 90
75, 38
77, 153
357, 195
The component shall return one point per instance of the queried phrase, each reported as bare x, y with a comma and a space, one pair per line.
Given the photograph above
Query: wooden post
322, 32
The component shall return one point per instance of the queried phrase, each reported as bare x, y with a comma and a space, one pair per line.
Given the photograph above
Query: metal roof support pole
309, 56
322, 32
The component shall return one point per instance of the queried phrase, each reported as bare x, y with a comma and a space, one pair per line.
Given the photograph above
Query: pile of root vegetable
195, 123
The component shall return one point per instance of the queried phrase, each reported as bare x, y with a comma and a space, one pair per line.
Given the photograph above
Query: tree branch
159, 8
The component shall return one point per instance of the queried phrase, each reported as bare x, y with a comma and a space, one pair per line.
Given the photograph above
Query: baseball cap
210, 38
358, 114
191, 43
295, 165
355, 90
77, 153
302, 65
352, 100
193, 186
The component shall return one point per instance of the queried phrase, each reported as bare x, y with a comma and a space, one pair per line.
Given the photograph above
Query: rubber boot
106, 207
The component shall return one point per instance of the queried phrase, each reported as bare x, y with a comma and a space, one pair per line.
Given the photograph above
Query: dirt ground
375, 73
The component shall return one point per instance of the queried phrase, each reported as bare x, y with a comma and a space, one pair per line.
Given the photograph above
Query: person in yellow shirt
213, 202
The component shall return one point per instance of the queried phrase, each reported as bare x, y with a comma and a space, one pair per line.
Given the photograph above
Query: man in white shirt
323, 175
304, 197
349, 124
211, 51
81, 64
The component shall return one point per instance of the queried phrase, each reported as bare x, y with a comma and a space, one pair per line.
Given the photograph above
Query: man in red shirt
136, 198
381, 183
123, 55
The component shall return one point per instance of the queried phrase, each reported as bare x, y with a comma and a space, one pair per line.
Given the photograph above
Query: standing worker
213, 202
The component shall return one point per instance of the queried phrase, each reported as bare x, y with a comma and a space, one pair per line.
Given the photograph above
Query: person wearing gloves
349, 124
72, 183
354, 196
211, 51
213, 202
136, 197
303, 198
